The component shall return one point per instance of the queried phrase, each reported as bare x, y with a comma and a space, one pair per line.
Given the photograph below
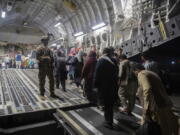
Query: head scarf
72, 52
92, 54
80, 55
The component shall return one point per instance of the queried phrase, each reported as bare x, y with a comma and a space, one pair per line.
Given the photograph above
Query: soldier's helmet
44, 41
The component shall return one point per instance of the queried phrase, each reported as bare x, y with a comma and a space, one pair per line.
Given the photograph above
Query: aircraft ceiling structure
59, 17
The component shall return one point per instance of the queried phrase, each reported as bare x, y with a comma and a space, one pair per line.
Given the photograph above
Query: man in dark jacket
105, 80
45, 62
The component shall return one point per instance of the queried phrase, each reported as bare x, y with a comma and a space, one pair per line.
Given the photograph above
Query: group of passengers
112, 77
19, 61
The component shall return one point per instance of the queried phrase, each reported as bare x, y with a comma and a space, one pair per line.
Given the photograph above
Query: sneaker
54, 96
42, 97
123, 109
80, 90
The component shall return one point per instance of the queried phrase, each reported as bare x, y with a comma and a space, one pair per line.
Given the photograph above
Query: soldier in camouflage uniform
45, 62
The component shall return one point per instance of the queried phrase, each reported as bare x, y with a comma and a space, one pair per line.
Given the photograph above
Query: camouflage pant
42, 78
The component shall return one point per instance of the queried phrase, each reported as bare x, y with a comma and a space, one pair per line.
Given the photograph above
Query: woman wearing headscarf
70, 67
87, 74
60, 70
78, 63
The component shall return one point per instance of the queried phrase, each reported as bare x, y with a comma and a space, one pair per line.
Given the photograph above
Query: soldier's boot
54, 95
51, 84
63, 84
42, 77
42, 91
42, 97
57, 83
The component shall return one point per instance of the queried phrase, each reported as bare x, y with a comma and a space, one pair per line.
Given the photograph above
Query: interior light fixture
78, 34
57, 24
3, 14
98, 26
54, 44
173, 62
9, 6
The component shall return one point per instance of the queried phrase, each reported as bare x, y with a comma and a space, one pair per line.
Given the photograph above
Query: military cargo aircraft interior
90, 67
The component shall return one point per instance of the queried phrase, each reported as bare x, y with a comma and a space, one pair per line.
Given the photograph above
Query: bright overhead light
78, 34
3, 14
98, 26
9, 6
54, 44
173, 62
57, 24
